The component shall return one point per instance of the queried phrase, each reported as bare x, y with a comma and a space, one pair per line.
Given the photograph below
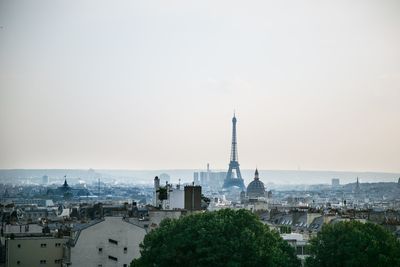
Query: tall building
164, 178
234, 177
213, 180
335, 183
45, 180
196, 180
357, 188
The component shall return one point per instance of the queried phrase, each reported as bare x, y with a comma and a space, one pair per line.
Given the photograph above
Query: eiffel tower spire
231, 179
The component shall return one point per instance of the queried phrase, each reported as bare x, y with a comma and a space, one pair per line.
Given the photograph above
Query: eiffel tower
232, 179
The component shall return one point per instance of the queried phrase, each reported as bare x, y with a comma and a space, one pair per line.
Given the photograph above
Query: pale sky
153, 84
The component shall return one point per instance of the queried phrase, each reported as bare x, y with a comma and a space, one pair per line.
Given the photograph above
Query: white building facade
109, 243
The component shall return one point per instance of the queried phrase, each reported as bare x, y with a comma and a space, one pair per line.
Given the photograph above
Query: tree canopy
221, 238
353, 244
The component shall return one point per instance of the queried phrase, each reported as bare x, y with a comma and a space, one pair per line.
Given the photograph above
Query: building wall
176, 199
35, 251
104, 243
193, 197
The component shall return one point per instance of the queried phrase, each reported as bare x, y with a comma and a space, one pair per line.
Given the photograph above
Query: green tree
353, 244
162, 193
221, 238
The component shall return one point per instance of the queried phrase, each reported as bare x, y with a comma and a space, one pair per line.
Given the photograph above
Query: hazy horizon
277, 177
153, 85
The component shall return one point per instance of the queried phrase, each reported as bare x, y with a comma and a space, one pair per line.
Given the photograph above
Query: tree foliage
221, 238
353, 244
162, 193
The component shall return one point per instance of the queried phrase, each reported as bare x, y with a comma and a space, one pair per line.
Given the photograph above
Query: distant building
192, 197
66, 192
256, 188
335, 183
45, 180
35, 214
168, 198
204, 178
213, 180
35, 201
217, 180
256, 196
357, 188
196, 179
164, 178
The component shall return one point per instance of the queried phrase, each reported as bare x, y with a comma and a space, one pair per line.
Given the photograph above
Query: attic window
112, 241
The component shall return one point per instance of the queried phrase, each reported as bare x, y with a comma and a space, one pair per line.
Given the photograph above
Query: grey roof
316, 224
256, 189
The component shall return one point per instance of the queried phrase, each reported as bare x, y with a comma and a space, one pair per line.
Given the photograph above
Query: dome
256, 187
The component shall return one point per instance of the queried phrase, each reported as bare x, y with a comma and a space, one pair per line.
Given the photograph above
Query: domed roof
256, 187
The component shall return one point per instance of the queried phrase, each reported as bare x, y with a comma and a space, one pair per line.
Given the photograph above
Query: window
113, 258
112, 241
125, 265
42, 261
100, 249
18, 262
58, 244
57, 261
19, 245
43, 245
125, 250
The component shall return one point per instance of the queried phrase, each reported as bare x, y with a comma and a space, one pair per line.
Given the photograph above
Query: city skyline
154, 85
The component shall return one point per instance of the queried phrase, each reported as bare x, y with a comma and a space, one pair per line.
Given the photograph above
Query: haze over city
153, 85
199, 133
